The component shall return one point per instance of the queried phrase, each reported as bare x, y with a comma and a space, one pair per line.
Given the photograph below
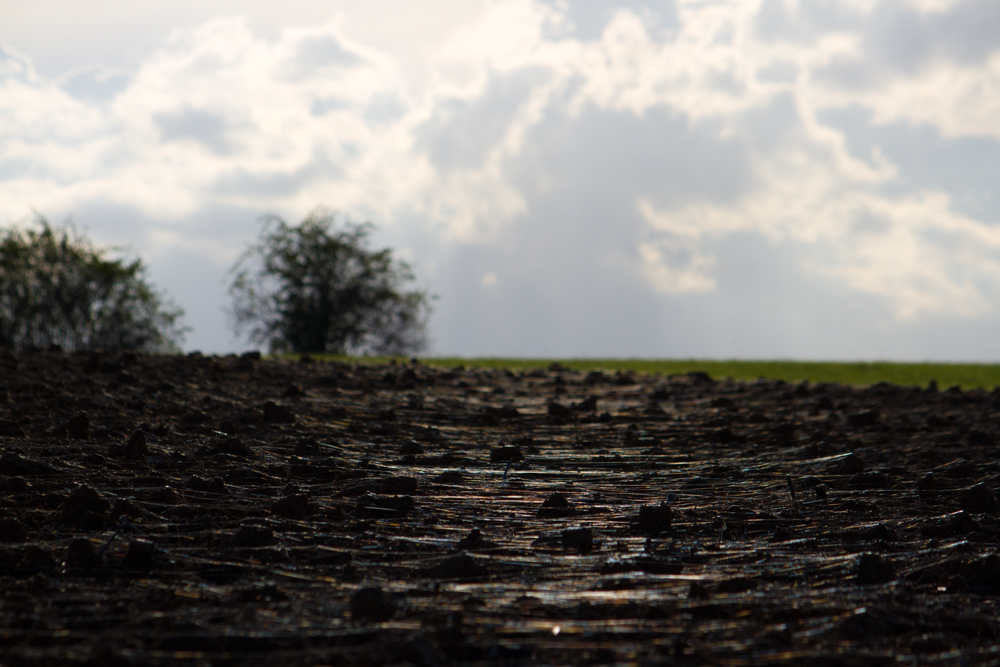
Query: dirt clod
371, 604
873, 569
136, 448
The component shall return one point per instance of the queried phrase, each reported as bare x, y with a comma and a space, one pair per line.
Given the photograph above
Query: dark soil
233, 511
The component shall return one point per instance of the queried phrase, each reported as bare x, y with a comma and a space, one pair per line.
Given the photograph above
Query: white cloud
684, 134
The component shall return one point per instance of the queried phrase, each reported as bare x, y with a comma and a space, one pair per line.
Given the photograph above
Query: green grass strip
967, 376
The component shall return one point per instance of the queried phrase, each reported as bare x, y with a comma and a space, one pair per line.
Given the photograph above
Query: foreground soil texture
238, 511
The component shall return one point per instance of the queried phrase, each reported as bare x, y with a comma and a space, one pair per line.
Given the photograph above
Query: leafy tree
317, 287
57, 288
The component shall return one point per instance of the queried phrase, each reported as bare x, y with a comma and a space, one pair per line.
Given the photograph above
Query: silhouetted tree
316, 287
57, 288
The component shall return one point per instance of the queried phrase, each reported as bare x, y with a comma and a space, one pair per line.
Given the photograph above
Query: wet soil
237, 511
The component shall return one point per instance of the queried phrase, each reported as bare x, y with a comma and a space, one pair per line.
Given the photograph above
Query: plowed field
237, 511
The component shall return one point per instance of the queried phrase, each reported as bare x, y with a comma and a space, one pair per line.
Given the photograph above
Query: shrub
58, 289
317, 287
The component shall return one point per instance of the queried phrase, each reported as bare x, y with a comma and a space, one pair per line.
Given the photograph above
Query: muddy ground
236, 511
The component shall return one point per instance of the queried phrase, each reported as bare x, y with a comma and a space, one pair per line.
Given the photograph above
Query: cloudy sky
730, 178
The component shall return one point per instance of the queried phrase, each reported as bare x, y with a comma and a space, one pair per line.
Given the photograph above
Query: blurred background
733, 179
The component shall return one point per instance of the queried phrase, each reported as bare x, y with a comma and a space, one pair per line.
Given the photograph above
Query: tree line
315, 287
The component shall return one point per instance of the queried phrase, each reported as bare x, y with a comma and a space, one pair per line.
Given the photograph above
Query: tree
57, 288
317, 287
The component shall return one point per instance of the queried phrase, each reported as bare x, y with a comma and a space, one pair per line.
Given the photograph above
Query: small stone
474, 540
278, 414
85, 507
559, 414
698, 592
13, 485
978, 499
375, 506
411, 448
233, 447
12, 530
580, 540
141, 555
252, 535
873, 569
80, 554
10, 429
399, 486
79, 426
456, 567
371, 604
295, 506
166, 496
504, 454
15, 465
556, 506
654, 520
449, 477
737, 585
866, 418
215, 485
852, 464
136, 448
556, 500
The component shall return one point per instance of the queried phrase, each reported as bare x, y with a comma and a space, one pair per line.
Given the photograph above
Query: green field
967, 376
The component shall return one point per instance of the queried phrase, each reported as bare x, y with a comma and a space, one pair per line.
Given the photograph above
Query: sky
780, 179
